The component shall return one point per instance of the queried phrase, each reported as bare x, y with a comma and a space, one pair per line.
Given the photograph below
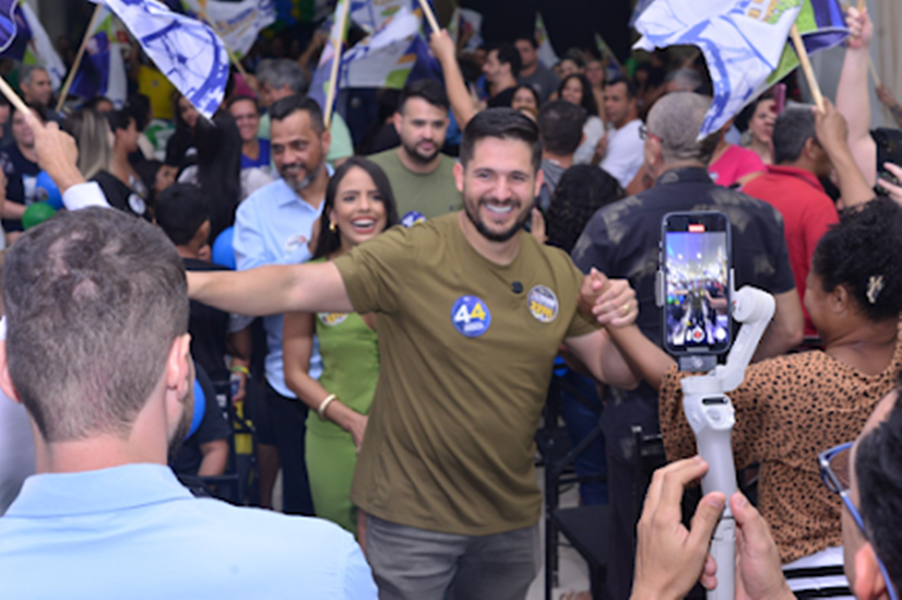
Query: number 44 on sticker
470, 316
465, 316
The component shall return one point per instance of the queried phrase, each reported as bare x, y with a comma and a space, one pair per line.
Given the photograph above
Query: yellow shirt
153, 84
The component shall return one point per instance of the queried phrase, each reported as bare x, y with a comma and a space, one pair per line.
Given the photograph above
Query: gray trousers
410, 563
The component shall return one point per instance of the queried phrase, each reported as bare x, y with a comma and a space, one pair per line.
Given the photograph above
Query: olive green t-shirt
432, 195
466, 348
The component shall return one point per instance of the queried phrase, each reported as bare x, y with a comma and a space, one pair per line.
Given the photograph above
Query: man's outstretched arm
272, 290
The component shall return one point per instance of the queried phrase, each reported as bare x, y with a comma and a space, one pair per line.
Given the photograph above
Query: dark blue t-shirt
263, 158
21, 179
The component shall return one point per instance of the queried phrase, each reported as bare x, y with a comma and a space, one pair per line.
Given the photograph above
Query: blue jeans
581, 421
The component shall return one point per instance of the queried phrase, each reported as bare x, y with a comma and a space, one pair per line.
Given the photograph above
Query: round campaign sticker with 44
471, 316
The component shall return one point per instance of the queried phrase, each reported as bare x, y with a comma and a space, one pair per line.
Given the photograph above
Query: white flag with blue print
374, 61
742, 41
239, 23
372, 14
187, 52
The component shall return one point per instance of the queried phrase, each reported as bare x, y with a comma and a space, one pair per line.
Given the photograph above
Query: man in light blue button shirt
274, 226
97, 350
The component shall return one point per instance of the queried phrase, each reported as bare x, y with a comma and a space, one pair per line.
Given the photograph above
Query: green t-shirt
432, 195
466, 348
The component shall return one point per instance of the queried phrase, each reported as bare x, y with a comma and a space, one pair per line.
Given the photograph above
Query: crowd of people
415, 281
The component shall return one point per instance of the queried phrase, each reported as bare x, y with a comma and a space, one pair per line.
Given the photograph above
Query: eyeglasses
644, 133
836, 470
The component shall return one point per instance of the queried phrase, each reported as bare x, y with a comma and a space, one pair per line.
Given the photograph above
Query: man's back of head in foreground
95, 303
97, 350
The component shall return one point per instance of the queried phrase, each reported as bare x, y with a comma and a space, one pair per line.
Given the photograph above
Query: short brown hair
94, 300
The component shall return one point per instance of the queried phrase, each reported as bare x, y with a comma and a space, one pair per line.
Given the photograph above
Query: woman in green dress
359, 205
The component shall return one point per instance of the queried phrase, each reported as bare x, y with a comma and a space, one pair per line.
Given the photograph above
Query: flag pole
12, 96
336, 61
806, 67
430, 16
78, 57
606, 50
232, 56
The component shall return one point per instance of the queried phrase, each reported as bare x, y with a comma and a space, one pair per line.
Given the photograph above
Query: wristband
321, 411
241, 369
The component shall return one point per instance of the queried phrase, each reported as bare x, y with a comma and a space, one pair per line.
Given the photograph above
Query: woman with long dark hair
359, 205
181, 149
218, 170
526, 100
756, 121
576, 89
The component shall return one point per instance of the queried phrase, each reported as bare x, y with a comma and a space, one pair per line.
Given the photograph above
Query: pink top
734, 164
241, 87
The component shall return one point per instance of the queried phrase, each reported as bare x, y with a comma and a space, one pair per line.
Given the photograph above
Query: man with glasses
868, 476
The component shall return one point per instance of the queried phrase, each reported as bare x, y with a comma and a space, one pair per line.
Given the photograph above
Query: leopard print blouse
788, 410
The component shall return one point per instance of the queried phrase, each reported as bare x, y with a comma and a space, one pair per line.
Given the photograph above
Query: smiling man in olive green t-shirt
470, 312
422, 178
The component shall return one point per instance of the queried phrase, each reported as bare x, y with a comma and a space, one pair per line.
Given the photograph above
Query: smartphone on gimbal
694, 282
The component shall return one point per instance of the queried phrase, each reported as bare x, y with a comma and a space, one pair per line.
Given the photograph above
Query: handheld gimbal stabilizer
710, 414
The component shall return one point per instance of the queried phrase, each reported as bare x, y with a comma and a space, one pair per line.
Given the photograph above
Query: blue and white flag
32, 45
371, 15
7, 23
641, 5
187, 52
742, 41
238, 23
547, 55
385, 58
319, 83
471, 26
102, 70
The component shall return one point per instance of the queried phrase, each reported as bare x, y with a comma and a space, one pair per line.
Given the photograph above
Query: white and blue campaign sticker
543, 304
136, 203
332, 319
471, 316
292, 243
412, 218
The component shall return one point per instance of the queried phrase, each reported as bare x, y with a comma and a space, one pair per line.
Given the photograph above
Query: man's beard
184, 426
487, 233
299, 184
416, 157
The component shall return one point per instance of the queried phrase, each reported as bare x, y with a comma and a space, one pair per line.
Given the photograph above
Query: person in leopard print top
790, 408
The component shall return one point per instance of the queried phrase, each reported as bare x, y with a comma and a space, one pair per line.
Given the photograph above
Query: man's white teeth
501, 210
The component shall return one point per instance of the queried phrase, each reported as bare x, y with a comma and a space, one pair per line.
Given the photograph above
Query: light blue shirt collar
285, 199
100, 491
